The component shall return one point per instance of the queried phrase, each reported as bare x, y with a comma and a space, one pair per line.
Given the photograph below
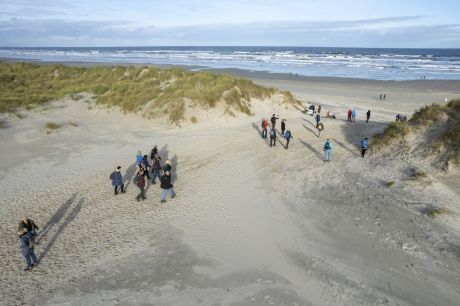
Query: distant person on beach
145, 165
117, 180
283, 126
368, 116
27, 231
139, 180
384, 97
156, 168
319, 109
354, 113
139, 158
273, 120
349, 115
327, 148
320, 128
364, 146
288, 136
398, 117
272, 137
311, 110
380, 97
317, 119
264, 128
166, 186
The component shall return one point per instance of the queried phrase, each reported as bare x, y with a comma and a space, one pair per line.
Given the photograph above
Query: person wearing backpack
327, 150
283, 126
364, 146
288, 136
317, 119
272, 137
139, 158
139, 180
320, 128
166, 186
354, 113
145, 165
156, 168
117, 180
264, 128
368, 116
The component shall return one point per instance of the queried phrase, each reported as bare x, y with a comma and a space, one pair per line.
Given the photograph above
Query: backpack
327, 146
287, 134
112, 175
272, 133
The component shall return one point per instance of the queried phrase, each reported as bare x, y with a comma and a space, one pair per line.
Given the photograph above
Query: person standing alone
368, 116
288, 136
364, 146
27, 231
327, 148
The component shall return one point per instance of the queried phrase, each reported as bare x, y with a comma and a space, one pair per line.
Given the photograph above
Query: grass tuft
74, 124
51, 127
194, 120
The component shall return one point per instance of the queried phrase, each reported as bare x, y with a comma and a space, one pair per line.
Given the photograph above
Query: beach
251, 224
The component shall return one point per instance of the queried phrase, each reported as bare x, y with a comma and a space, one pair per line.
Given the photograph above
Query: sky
310, 23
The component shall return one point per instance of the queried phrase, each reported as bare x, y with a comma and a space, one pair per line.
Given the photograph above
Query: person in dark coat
283, 126
288, 136
319, 109
273, 137
140, 183
273, 120
317, 119
154, 152
145, 166
27, 231
166, 186
156, 168
117, 180
368, 116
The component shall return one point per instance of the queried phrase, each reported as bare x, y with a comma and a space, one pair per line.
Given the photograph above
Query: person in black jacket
166, 186
273, 120
368, 116
273, 137
283, 127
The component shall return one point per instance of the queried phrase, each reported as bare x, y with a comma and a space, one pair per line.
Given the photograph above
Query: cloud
399, 31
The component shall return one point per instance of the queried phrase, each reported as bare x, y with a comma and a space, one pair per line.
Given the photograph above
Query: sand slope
251, 224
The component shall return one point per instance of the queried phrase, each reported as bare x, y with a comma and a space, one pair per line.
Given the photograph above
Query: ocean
367, 63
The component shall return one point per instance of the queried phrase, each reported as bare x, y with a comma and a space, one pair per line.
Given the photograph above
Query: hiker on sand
368, 116
166, 186
320, 128
354, 113
288, 136
327, 148
156, 168
384, 97
117, 180
283, 126
273, 120
264, 128
364, 146
317, 119
380, 97
139, 180
319, 109
153, 152
272, 137
349, 115
27, 231
145, 166
139, 158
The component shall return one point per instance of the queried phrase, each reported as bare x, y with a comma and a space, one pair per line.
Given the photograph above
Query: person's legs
163, 195
287, 143
25, 252
327, 154
116, 190
173, 194
274, 141
271, 141
32, 256
141, 190
123, 188
147, 173
143, 193
363, 151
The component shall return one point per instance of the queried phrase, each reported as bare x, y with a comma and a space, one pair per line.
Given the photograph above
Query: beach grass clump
428, 114
152, 91
194, 120
390, 184
433, 211
3, 124
394, 131
51, 126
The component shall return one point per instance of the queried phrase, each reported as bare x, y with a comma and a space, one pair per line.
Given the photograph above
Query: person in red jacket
140, 182
264, 128
349, 115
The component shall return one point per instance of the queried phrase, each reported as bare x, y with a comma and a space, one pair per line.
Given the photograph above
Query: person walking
27, 231
317, 119
380, 97
117, 180
354, 113
273, 120
139, 180
156, 168
166, 186
364, 146
139, 158
283, 126
349, 115
272, 137
368, 115
145, 166
319, 109
320, 128
327, 148
154, 152
264, 128
384, 97
288, 136
167, 166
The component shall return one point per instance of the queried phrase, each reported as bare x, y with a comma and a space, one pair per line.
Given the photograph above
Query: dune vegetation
152, 91
447, 139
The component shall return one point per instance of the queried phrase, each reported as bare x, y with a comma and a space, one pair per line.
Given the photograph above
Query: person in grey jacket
117, 180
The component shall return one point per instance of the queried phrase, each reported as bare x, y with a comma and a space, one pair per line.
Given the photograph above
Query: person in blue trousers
27, 231
364, 146
327, 148
166, 186
117, 180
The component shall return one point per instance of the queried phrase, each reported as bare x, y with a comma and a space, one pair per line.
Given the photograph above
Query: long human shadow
130, 172
307, 128
319, 155
174, 175
259, 132
56, 218
346, 148
309, 121
70, 217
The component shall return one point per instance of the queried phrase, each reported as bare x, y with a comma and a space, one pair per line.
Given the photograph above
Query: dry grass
194, 119
3, 124
51, 127
433, 211
152, 91
394, 131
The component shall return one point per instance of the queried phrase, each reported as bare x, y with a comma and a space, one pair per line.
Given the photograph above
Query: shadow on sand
259, 133
318, 154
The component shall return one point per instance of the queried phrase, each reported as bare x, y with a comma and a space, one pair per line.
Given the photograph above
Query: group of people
383, 97
286, 134
144, 166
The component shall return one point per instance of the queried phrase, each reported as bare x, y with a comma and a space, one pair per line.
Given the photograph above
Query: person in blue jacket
364, 146
139, 158
327, 148
117, 180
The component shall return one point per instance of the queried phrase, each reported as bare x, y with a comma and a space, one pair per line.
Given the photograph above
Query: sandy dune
251, 224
